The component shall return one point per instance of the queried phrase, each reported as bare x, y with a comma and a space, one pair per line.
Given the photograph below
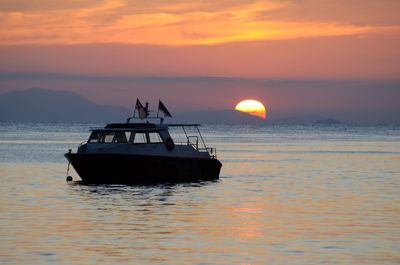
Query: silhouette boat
144, 152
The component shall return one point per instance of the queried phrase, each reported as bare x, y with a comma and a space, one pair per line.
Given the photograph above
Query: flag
163, 109
141, 110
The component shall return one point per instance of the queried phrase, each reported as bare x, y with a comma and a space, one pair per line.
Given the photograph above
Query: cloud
44, 5
344, 57
185, 23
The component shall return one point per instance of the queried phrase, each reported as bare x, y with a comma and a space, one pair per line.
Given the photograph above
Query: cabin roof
144, 125
130, 125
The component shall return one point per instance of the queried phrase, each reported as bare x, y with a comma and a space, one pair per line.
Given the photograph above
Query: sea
286, 195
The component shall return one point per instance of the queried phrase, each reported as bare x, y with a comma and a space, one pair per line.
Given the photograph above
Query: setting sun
252, 107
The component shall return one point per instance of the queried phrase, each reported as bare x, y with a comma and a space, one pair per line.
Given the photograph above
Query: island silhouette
46, 105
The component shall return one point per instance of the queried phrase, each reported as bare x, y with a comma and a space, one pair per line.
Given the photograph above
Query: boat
144, 152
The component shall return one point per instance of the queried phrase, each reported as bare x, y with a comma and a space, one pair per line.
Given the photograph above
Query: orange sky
79, 40
277, 39
182, 23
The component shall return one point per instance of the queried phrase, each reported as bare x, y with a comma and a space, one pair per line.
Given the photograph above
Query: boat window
121, 137
107, 137
128, 135
155, 137
140, 138
94, 137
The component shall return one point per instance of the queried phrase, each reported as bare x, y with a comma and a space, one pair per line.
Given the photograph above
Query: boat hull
121, 168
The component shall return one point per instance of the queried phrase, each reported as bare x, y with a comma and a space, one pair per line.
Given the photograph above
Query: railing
195, 144
211, 150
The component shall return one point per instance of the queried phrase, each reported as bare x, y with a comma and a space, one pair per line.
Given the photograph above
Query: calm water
287, 195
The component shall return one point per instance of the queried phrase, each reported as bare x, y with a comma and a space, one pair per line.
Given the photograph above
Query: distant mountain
221, 116
294, 118
329, 122
44, 105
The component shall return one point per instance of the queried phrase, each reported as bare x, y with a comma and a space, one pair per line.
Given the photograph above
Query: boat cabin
141, 137
108, 136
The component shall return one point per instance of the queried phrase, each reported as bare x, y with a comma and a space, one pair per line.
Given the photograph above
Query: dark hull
120, 168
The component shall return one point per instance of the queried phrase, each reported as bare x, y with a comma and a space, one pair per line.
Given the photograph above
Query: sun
252, 107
